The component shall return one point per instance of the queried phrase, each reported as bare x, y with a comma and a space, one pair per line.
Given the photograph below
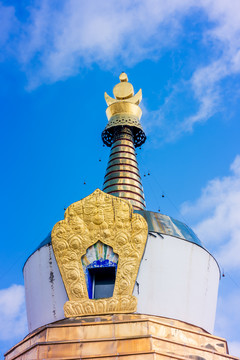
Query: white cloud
222, 41
60, 38
13, 322
204, 84
225, 35
216, 216
7, 22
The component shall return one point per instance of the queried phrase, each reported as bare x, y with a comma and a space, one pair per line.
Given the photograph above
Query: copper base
129, 337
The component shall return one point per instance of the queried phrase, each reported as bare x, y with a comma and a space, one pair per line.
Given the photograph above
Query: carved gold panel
106, 218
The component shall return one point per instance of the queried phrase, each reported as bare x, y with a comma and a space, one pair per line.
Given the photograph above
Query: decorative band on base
120, 304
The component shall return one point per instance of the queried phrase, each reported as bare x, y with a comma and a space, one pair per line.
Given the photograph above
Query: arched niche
100, 269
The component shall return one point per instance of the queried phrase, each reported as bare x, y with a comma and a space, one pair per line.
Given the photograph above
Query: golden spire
123, 133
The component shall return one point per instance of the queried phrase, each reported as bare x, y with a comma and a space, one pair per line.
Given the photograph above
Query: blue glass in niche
101, 276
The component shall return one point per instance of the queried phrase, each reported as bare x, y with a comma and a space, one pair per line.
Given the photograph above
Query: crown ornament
123, 110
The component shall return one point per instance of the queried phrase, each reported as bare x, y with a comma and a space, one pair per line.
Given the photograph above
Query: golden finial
123, 76
123, 110
123, 91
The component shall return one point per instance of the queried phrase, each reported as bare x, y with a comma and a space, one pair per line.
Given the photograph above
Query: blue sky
56, 60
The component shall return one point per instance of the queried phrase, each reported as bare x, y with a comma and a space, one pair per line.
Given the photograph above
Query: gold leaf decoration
106, 218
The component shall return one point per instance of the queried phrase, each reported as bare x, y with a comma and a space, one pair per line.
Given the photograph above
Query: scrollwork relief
99, 217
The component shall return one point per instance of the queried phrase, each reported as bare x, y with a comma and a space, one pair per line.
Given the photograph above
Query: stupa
114, 280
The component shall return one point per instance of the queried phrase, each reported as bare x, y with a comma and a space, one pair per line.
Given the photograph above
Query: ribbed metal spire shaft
122, 177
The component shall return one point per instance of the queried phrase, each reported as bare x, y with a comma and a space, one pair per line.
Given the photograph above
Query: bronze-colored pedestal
128, 337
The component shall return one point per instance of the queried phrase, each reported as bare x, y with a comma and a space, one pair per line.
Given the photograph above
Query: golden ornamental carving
106, 218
